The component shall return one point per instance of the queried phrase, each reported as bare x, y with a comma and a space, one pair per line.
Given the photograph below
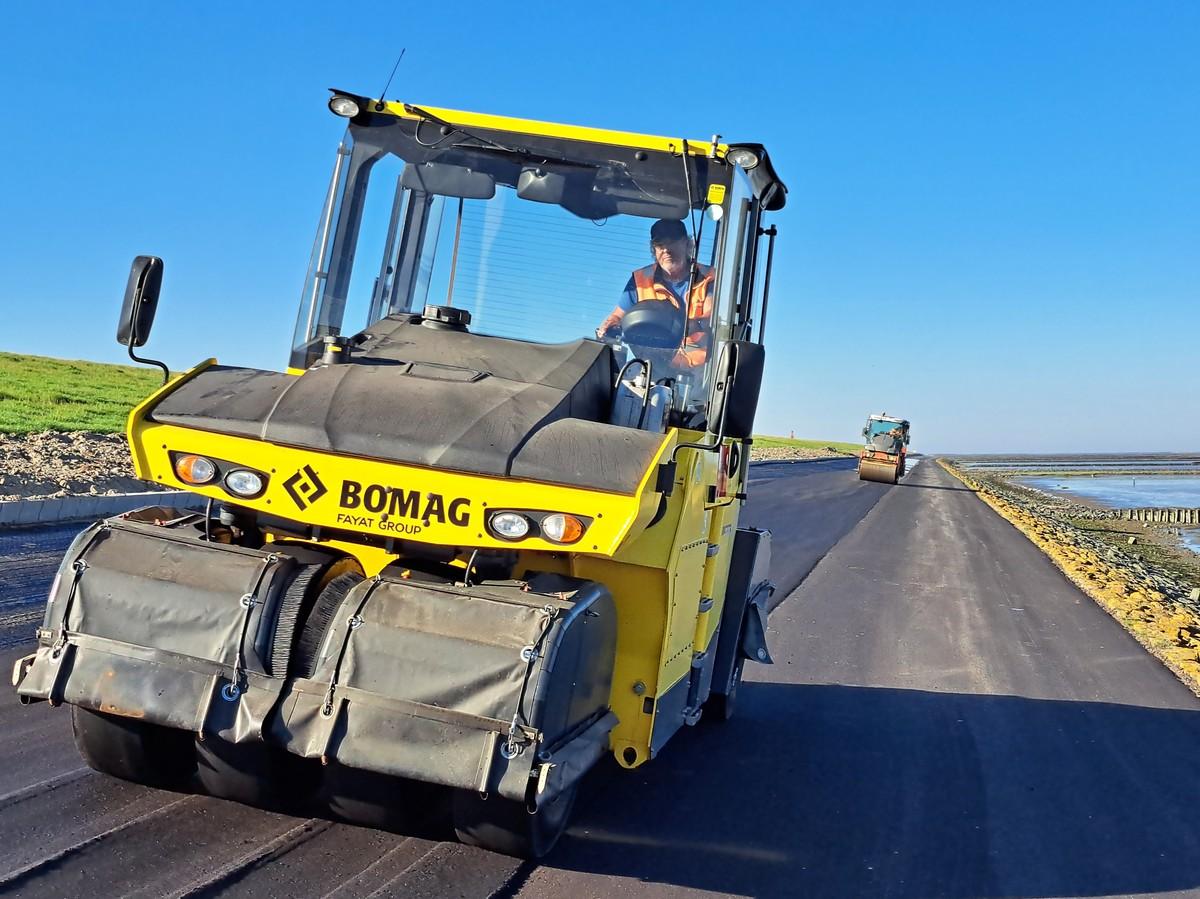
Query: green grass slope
850, 448
38, 393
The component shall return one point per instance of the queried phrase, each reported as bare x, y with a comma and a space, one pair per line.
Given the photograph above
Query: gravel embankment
789, 453
77, 463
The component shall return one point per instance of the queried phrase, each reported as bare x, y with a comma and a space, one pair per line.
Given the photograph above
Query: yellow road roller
482, 531
883, 456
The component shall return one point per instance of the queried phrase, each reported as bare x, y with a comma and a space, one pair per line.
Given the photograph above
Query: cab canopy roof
764, 181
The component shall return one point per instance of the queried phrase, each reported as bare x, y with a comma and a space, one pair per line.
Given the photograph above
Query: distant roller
884, 456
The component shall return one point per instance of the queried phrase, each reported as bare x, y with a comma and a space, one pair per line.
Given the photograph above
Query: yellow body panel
658, 579
659, 576
551, 129
425, 505
450, 510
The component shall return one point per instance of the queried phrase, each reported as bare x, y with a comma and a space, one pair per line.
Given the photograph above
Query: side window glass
732, 261
370, 267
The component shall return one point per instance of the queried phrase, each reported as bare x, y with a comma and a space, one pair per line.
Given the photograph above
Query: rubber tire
383, 801
504, 826
307, 651
254, 774
134, 750
314, 570
723, 705
297, 598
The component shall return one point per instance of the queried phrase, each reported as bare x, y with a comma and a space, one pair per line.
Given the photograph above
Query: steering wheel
653, 323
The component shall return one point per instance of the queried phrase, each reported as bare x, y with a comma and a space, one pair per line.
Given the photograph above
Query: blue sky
993, 226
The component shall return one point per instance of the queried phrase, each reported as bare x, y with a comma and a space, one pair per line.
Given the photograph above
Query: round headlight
509, 525
347, 107
195, 469
562, 528
747, 159
241, 482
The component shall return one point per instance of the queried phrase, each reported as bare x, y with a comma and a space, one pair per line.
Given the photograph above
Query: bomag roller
884, 455
462, 548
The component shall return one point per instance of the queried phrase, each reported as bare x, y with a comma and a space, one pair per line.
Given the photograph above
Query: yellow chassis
667, 578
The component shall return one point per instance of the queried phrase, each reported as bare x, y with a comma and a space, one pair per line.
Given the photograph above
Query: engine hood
440, 399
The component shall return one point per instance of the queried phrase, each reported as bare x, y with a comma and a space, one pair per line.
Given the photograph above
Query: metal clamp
247, 601
354, 622
510, 749
78, 567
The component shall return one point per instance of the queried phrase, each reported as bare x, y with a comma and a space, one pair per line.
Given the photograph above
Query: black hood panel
440, 399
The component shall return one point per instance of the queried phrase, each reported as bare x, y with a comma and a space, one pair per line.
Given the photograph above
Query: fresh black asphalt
947, 716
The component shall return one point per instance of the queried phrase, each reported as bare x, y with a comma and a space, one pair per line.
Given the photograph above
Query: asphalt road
947, 716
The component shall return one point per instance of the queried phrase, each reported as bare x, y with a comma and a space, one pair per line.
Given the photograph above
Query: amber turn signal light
195, 469
562, 528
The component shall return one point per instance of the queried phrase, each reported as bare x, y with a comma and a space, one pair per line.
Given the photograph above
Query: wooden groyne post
1163, 516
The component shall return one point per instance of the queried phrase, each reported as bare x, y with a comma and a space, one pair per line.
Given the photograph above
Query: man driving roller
676, 278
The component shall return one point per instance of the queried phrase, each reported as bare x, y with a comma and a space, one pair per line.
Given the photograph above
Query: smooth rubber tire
381, 801
134, 750
306, 653
504, 826
254, 773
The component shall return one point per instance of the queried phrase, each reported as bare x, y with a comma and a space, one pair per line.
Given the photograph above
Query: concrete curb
27, 512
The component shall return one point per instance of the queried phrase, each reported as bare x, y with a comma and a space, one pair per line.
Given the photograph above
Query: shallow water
1191, 539
1125, 492
1099, 464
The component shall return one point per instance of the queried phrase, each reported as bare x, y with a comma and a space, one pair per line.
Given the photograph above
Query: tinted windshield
883, 427
533, 246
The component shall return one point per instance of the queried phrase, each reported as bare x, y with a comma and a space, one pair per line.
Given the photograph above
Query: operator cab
886, 434
469, 223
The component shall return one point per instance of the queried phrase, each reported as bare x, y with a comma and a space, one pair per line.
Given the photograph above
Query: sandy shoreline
1069, 495
1174, 546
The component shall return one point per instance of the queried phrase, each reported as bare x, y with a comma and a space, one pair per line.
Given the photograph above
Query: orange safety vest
698, 332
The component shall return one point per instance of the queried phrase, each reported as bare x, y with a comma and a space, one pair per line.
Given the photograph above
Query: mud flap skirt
151, 623
743, 631
500, 687
496, 688
754, 627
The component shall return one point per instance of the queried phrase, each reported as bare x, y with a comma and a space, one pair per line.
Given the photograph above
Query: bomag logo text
391, 503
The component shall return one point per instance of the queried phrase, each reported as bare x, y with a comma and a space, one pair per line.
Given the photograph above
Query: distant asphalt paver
946, 716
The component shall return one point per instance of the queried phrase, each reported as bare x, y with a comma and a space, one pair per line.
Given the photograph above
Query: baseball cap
667, 230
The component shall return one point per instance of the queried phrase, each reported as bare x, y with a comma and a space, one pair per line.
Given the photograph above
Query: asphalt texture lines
947, 716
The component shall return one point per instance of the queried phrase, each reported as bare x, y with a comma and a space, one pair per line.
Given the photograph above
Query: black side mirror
141, 301
736, 385
139, 306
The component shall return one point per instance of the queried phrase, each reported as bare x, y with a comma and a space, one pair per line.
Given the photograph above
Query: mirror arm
762, 316
136, 358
